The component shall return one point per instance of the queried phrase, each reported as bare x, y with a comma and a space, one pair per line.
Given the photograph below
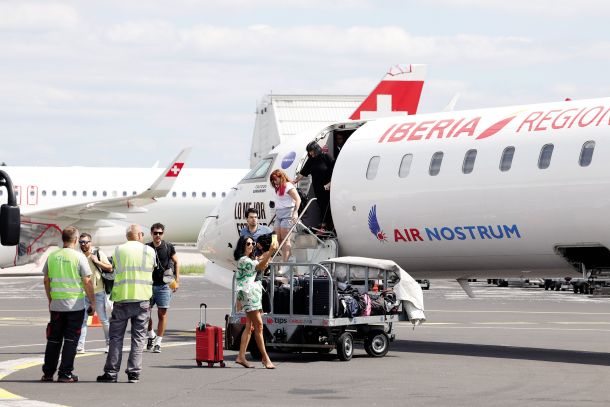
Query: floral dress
249, 291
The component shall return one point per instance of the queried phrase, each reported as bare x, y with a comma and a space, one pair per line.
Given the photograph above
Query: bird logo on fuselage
374, 226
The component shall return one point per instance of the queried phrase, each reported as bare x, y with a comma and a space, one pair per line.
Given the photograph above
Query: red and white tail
397, 94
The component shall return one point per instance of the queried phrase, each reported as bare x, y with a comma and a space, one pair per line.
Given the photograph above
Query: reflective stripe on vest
134, 263
65, 280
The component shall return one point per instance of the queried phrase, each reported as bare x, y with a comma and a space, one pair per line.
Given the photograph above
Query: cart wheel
377, 344
222, 364
255, 352
345, 346
199, 363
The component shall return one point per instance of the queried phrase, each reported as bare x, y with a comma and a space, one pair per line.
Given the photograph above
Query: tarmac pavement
506, 347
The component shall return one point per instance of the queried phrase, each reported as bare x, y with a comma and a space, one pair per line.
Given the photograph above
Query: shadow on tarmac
502, 352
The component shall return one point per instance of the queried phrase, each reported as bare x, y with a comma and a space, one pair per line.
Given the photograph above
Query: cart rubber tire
377, 344
255, 352
345, 346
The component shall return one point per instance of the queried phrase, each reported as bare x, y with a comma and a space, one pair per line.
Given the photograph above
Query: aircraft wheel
345, 346
377, 344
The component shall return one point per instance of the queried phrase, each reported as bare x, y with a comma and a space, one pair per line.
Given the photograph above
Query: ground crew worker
133, 265
66, 280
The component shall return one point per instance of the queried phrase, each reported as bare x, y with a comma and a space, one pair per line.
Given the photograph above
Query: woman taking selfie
250, 294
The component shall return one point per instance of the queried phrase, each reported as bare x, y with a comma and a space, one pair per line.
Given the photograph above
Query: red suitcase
208, 341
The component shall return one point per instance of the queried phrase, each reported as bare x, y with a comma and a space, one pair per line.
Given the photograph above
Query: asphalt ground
506, 347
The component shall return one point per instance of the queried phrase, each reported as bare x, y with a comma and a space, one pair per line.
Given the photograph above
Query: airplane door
18, 194
32, 195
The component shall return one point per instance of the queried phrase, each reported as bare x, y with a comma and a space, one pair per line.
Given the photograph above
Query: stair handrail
292, 228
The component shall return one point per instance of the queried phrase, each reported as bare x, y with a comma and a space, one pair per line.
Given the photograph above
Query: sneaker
149, 344
106, 350
157, 349
67, 378
80, 349
106, 378
46, 378
134, 377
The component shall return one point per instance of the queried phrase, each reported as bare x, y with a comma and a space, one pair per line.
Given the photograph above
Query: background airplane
515, 191
103, 201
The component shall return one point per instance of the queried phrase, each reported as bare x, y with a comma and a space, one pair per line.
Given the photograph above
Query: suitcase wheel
210, 364
222, 364
199, 363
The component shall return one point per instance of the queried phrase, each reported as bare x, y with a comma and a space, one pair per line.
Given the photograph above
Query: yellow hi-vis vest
66, 281
133, 265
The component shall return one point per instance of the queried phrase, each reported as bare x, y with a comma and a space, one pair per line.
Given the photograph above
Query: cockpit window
261, 170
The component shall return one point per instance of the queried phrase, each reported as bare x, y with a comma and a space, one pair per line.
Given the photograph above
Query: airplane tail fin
397, 94
166, 180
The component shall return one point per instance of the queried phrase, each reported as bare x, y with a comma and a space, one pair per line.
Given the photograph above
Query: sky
130, 83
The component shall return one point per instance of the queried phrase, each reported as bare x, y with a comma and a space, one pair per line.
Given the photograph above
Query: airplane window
104, 193
469, 158
184, 194
124, 193
94, 193
54, 193
405, 165
545, 156
73, 193
507, 158
586, 154
1, 192
133, 193
174, 194
194, 194
44, 193
64, 193
203, 194
371, 170
223, 194
32, 193
435, 163
84, 193
213, 194
261, 169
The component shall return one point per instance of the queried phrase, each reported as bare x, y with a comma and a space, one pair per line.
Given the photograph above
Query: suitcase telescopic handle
201, 320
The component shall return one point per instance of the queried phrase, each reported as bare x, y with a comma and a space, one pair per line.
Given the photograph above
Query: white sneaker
80, 349
106, 350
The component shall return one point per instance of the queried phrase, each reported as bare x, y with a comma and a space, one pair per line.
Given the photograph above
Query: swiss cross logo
175, 170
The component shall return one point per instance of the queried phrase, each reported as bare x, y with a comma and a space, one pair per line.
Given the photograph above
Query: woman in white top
286, 208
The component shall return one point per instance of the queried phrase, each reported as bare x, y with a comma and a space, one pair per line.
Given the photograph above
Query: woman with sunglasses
250, 294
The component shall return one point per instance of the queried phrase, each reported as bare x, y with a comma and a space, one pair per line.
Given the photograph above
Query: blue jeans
162, 296
100, 309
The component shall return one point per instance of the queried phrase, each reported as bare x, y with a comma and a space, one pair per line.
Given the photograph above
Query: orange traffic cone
94, 320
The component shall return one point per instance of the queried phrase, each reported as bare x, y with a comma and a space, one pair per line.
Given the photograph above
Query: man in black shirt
320, 166
165, 282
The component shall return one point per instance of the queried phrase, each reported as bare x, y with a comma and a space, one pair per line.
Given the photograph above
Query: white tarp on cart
406, 289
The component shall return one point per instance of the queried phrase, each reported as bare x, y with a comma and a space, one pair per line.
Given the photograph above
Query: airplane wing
114, 208
398, 93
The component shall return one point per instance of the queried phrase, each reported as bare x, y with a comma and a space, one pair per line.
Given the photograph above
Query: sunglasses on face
157, 233
84, 241
249, 243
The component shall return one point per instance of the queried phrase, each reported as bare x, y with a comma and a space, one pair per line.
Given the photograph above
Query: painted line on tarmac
12, 366
499, 326
513, 312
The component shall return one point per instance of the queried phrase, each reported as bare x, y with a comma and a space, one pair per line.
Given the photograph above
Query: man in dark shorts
165, 282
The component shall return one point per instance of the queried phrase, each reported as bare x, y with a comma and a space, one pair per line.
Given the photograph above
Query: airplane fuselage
194, 194
512, 191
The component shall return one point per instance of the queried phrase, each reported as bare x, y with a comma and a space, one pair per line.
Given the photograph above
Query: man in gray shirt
66, 280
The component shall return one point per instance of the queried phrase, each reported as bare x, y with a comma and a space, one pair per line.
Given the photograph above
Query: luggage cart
301, 309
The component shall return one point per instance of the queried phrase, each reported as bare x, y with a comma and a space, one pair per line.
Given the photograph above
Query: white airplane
103, 201
514, 191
